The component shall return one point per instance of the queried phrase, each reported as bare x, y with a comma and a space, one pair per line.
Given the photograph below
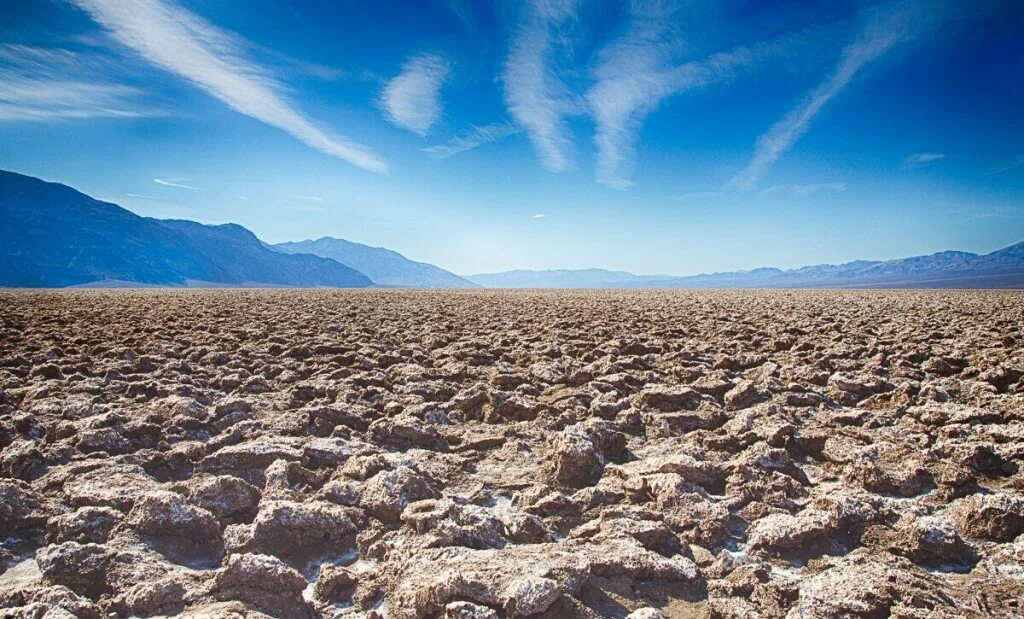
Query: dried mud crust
508, 454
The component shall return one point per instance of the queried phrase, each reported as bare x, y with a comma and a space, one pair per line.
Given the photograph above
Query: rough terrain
483, 454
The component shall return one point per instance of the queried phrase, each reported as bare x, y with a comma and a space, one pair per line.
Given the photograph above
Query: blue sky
649, 136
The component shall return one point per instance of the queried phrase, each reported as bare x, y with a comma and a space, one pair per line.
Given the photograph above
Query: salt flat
383, 453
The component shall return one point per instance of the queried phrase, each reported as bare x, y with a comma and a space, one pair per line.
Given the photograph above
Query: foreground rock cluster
475, 455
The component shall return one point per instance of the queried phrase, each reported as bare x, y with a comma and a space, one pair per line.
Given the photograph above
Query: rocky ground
495, 454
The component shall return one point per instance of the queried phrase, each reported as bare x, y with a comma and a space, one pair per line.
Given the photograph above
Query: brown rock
995, 517
266, 583
387, 493
744, 395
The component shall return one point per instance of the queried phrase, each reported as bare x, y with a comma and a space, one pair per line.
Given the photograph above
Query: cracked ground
482, 454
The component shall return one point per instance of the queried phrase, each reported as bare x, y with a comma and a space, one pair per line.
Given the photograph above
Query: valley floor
475, 454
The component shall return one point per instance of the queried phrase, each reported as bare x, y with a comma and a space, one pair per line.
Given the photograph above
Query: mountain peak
385, 267
57, 236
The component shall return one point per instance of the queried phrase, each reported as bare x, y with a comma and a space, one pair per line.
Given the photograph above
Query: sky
649, 136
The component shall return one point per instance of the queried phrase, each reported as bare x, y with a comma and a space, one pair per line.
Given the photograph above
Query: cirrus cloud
805, 190
167, 183
412, 98
634, 76
881, 28
40, 84
474, 139
535, 96
186, 45
918, 160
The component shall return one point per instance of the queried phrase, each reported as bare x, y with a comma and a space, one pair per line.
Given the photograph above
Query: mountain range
1003, 268
55, 236
384, 266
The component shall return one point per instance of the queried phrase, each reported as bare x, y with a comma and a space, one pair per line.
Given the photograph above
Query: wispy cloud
978, 212
49, 60
536, 98
539, 216
462, 11
44, 84
635, 74
798, 190
700, 195
632, 77
182, 43
142, 196
1010, 164
880, 29
43, 100
805, 190
167, 183
475, 138
296, 66
918, 160
310, 198
412, 98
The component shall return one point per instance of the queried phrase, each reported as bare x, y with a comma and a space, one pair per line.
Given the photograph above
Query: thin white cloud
166, 183
310, 198
632, 78
182, 43
634, 75
1010, 164
805, 190
44, 100
917, 160
44, 84
460, 10
243, 197
295, 66
700, 195
535, 96
539, 216
974, 212
880, 29
479, 136
89, 62
412, 98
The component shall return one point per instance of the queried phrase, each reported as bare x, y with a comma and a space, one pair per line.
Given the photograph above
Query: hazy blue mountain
384, 266
947, 269
241, 257
53, 235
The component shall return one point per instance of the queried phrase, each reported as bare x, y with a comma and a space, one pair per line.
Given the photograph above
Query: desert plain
483, 454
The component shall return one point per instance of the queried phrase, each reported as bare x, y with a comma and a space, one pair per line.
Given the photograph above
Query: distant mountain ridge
53, 235
1002, 268
384, 266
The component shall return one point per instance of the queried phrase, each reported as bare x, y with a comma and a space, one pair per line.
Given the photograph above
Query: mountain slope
1003, 268
53, 235
384, 266
242, 258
